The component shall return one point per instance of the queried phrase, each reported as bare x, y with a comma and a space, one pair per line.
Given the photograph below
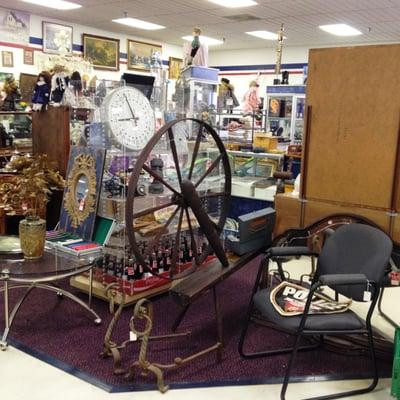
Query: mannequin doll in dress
59, 84
196, 52
41, 94
251, 98
12, 95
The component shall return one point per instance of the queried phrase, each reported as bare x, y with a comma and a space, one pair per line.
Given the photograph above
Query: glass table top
52, 264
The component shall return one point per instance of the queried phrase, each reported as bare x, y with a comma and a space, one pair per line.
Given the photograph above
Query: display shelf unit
284, 112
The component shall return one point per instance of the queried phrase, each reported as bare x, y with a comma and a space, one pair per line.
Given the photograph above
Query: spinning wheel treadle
187, 192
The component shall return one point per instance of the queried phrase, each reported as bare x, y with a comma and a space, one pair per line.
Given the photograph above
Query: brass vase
32, 234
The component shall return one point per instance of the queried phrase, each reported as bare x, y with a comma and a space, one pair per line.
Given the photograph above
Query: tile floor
23, 377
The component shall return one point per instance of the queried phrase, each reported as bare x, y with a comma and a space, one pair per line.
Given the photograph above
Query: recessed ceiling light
207, 40
340, 30
265, 35
234, 3
57, 4
138, 23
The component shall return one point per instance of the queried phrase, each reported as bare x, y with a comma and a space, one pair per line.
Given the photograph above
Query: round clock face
130, 117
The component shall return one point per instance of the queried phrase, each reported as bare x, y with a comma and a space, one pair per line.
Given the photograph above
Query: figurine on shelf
41, 94
59, 84
226, 96
196, 52
285, 78
76, 83
251, 98
12, 95
156, 165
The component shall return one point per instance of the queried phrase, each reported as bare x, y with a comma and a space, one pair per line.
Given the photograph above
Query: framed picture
27, 83
175, 66
14, 26
101, 51
141, 56
7, 59
57, 39
29, 57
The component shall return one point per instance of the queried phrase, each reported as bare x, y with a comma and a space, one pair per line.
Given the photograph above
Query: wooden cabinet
50, 133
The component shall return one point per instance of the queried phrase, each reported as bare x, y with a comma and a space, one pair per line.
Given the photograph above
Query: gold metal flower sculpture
30, 188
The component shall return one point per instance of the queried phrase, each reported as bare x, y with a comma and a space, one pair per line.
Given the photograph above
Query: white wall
78, 30
240, 78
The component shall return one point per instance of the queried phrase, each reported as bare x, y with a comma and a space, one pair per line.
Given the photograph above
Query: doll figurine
12, 95
41, 94
251, 98
196, 53
226, 96
59, 84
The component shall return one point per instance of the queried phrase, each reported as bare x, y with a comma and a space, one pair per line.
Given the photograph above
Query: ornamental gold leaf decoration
84, 164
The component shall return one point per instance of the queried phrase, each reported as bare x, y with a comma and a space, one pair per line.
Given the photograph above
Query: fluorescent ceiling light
138, 23
265, 35
207, 40
234, 3
341, 30
57, 4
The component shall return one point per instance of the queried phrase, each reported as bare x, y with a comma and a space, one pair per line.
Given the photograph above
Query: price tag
367, 293
229, 101
132, 336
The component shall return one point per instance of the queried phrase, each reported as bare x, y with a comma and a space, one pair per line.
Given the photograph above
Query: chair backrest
355, 249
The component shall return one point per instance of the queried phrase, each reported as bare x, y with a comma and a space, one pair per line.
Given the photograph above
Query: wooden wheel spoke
153, 209
175, 251
174, 154
158, 177
160, 233
195, 150
208, 172
192, 239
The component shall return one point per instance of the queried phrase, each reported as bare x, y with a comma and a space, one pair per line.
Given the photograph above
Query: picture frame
29, 57
27, 84
140, 55
7, 59
57, 38
175, 67
102, 51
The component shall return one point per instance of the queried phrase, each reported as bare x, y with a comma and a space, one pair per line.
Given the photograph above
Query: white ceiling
378, 20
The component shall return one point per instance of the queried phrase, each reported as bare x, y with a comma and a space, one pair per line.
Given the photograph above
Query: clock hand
130, 109
127, 119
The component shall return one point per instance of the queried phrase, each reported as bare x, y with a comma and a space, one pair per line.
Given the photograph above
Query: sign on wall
14, 26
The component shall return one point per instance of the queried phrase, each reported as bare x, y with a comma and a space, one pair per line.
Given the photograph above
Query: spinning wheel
187, 200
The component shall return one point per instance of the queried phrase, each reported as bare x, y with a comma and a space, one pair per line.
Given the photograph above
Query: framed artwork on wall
14, 26
175, 66
103, 52
141, 55
57, 39
27, 83
7, 59
29, 57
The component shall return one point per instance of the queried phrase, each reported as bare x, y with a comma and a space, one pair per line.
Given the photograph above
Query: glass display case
252, 174
284, 116
15, 131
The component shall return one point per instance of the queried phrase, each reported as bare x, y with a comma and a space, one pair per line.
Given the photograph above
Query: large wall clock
130, 118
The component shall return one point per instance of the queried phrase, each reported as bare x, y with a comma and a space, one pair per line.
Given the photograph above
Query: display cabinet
15, 132
252, 174
284, 113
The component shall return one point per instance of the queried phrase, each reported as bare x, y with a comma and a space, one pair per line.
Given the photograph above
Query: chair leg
356, 392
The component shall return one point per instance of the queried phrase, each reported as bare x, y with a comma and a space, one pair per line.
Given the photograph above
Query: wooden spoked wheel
190, 198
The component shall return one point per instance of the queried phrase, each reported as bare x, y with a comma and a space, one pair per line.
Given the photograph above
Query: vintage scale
192, 199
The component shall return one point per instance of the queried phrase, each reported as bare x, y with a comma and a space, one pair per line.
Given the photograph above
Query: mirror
81, 191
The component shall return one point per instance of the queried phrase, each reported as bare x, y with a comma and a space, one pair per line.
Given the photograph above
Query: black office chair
352, 260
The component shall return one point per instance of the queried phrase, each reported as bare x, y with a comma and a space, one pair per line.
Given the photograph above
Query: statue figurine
41, 94
13, 95
251, 98
59, 84
196, 52
156, 165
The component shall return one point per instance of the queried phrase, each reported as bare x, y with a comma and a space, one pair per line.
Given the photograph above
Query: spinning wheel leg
218, 319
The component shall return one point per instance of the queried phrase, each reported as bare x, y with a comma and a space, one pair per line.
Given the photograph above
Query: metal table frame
43, 282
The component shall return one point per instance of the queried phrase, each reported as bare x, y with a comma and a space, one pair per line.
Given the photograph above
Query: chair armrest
343, 279
290, 251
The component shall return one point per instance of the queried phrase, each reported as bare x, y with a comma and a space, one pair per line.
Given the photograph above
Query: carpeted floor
62, 333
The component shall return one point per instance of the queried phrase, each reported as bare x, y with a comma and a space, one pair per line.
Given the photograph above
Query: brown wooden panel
316, 210
50, 135
396, 229
288, 211
354, 95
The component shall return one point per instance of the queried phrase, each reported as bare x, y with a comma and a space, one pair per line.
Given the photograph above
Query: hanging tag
132, 336
367, 293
